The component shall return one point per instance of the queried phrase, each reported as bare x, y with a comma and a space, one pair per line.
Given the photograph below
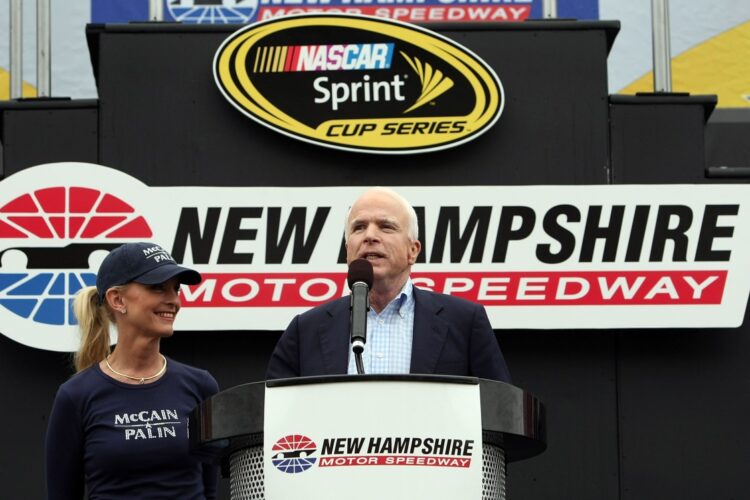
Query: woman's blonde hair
94, 320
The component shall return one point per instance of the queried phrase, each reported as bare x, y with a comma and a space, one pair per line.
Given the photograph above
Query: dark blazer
452, 336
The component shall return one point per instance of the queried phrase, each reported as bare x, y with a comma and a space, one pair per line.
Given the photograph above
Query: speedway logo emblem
293, 454
81, 215
535, 256
358, 83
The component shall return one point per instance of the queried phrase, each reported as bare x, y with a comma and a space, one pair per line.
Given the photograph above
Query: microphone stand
358, 362
360, 307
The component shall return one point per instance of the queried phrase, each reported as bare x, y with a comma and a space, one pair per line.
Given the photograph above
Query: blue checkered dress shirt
389, 336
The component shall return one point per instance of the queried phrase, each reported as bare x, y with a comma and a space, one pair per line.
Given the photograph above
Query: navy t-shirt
128, 441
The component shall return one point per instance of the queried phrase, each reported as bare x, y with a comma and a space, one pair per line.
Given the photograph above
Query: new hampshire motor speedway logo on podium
294, 453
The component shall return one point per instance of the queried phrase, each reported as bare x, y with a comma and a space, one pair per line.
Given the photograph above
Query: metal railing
16, 49
662, 52
549, 9
43, 48
155, 10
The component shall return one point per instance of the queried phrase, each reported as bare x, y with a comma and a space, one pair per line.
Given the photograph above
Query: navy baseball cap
145, 263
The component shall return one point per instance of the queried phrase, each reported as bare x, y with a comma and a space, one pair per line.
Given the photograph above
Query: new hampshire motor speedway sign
416, 11
537, 257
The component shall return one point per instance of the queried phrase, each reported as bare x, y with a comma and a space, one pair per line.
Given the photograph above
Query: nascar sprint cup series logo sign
534, 256
359, 83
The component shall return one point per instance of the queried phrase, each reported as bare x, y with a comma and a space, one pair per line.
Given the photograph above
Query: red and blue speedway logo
52, 238
60, 213
293, 454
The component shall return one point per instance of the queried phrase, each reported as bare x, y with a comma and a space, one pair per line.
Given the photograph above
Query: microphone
360, 279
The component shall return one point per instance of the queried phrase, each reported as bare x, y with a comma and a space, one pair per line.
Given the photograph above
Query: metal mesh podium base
246, 473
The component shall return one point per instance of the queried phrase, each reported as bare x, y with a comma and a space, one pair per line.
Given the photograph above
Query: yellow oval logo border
234, 82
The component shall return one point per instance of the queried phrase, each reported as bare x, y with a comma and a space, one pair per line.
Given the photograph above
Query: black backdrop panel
163, 118
683, 414
659, 139
574, 375
35, 131
727, 143
28, 382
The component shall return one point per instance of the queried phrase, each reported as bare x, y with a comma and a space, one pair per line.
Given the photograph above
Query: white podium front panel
373, 440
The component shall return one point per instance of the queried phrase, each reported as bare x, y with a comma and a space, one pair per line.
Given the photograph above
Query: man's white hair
413, 229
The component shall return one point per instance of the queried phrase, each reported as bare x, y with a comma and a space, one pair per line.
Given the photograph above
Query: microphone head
360, 270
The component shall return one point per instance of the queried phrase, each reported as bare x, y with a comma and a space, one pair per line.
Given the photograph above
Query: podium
391, 436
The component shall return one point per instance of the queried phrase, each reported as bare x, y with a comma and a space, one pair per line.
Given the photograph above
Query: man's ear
414, 248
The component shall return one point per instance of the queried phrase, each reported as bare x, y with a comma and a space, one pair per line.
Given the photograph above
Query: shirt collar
405, 298
402, 302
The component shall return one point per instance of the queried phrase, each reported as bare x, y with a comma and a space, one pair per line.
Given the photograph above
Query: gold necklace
141, 380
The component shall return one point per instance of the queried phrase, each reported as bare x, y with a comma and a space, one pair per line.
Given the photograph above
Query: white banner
373, 440
537, 257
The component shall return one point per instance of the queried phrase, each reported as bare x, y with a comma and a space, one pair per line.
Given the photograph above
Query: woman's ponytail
93, 320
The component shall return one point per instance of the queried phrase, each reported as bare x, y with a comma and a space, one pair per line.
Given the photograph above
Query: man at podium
409, 330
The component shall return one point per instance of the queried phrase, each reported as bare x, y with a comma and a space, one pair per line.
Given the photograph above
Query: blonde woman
119, 427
